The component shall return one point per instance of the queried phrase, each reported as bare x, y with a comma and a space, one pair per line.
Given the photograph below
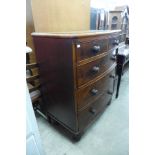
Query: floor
107, 136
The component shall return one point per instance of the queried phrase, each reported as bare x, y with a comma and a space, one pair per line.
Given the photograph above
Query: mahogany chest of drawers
77, 74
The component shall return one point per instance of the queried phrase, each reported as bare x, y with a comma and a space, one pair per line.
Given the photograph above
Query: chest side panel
55, 59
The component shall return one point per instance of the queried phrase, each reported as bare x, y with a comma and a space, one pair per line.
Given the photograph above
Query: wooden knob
94, 91
95, 69
96, 48
93, 111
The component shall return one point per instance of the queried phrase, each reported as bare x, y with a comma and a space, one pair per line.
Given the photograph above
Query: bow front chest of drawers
77, 73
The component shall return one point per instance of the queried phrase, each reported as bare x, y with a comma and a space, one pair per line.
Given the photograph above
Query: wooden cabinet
77, 75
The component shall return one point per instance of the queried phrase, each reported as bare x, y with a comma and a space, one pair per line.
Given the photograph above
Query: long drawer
91, 48
86, 116
93, 69
90, 93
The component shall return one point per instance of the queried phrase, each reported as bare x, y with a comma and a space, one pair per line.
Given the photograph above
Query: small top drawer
91, 48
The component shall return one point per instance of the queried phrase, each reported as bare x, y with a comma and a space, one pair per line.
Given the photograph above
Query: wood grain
32, 78
61, 15
86, 72
87, 116
29, 30
31, 65
81, 34
86, 48
65, 82
57, 78
86, 96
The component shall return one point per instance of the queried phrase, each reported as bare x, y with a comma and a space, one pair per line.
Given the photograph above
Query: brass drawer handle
93, 111
96, 48
94, 91
95, 69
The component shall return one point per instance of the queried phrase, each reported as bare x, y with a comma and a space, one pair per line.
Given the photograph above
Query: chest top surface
75, 34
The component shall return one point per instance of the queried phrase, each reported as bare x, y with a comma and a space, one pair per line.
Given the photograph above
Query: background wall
61, 15
108, 4
29, 29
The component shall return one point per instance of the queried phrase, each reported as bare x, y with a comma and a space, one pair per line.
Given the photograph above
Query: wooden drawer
91, 48
93, 69
89, 114
90, 93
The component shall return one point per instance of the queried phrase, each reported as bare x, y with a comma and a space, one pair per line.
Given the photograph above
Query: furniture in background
94, 19
122, 59
115, 20
121, 56
125, 18
119, 19
98, 19
32, 80
77, 74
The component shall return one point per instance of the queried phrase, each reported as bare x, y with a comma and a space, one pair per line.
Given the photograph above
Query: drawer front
92, 48
113, 41
90, 93
89, 114
91, 70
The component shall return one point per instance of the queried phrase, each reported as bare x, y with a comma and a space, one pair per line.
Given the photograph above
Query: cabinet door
33, 141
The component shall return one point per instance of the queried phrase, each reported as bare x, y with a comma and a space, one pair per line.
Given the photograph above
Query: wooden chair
32, 80
122, 59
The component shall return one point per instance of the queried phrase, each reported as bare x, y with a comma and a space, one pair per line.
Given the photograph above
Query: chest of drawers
76, 75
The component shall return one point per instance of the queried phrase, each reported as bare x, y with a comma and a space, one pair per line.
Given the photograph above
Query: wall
29, 29
108, 4
61, 15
